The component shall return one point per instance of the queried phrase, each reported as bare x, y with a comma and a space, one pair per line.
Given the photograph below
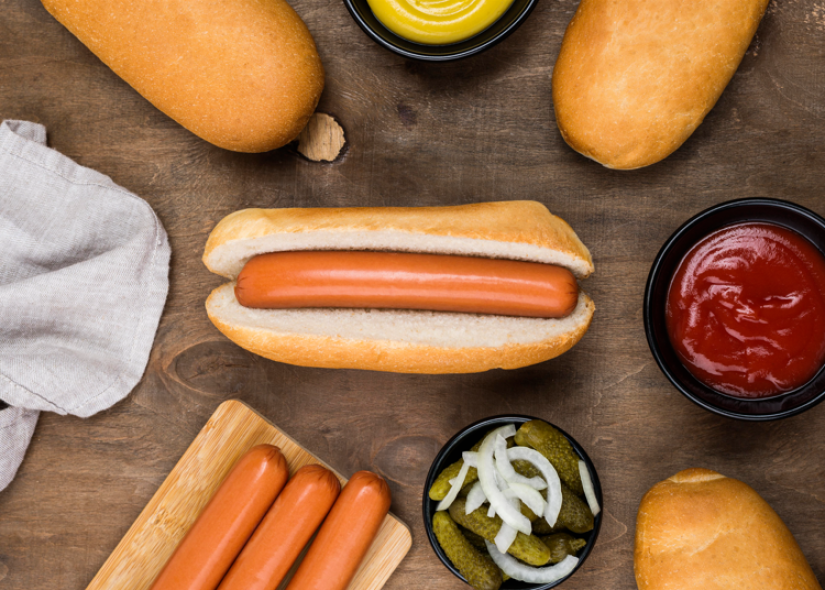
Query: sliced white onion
491, 512
507, 431
505, 468
457, 483
475, 499
530, 496
487, 476
470, 457
589, 491
507, 534
505, 537
532, 575
551, 511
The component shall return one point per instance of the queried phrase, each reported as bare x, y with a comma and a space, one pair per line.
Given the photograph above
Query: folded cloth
83, 280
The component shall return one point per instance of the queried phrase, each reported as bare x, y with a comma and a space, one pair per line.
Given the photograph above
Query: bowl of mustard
439, 30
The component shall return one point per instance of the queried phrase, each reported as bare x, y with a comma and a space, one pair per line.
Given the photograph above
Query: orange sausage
345, 536
211, 545
407, 281
284, 531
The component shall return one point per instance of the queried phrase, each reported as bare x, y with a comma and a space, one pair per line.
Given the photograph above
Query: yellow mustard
438, 22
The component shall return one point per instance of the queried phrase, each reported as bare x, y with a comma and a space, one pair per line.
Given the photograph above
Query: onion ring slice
532, 575
475, 499
554, 498
457, 483
505, 468
530, 496
589, 490
505, 537
487, 476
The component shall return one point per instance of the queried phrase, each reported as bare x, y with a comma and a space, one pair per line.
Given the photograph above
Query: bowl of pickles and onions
512, 502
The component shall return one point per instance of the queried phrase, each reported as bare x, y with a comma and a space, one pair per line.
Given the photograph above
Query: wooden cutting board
232, 430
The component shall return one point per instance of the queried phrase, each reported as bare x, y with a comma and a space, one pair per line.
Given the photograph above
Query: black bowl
463, 441
782, 213
498, 31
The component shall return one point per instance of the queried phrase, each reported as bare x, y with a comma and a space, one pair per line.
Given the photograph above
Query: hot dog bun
241, 74
635, 78
700, 530
398, 340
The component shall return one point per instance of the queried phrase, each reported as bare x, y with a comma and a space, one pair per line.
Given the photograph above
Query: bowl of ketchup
735, 309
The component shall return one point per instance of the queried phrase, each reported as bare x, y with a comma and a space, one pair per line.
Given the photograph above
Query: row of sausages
258, 522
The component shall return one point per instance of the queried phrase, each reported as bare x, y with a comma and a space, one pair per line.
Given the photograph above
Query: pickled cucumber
441, 486
525, 510
478, 569
527, 548
474, 539
561, 545
556, 448
526, 468
575, 516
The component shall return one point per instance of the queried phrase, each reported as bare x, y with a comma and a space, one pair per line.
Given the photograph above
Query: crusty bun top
704, 531
517, 230
242, 74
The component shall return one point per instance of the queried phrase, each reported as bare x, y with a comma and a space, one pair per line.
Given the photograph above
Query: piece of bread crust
635, 78
517, 230
242, 74
700, 530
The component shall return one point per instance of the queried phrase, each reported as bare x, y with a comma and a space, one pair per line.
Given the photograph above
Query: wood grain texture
481, 129
232, 430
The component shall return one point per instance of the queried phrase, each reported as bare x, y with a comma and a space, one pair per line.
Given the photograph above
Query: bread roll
241, 74
403, 341
635, 78
700, 530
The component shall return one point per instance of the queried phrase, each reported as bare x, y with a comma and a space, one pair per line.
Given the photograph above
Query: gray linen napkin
84, 268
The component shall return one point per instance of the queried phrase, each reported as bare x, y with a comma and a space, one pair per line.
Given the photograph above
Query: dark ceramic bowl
782, 213
498, 31
463, 441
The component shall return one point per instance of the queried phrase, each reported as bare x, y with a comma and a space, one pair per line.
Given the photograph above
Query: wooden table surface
476, 130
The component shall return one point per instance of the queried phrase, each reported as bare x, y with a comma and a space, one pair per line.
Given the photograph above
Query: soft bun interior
229, 258
398, 327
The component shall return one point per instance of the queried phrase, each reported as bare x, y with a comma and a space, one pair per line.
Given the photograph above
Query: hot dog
407, 281
284, 531
346, 535
523, 307
226, 523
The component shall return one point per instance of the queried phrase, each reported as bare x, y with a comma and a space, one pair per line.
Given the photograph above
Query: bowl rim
454, 56
653, 344
428, 506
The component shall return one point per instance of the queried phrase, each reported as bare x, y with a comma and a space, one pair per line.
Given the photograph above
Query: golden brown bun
635, 78
518, 230
242, 74
700, 530
398, 340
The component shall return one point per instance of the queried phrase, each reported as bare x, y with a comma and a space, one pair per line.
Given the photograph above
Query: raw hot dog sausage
345, 536
208, 549
284, 531
407, 281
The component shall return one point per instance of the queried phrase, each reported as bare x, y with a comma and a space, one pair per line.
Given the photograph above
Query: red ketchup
746, 310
